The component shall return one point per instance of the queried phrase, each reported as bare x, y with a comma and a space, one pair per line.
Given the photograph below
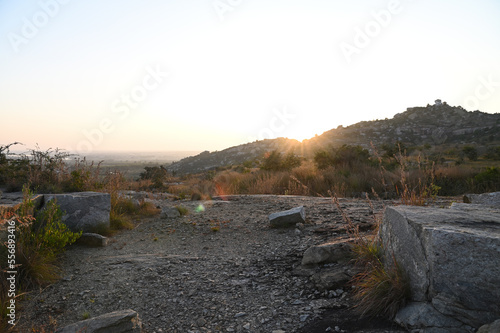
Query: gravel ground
218, 269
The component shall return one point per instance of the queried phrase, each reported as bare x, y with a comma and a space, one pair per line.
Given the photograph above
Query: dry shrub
416, 187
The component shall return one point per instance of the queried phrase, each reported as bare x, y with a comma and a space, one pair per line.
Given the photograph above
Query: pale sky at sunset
209, 74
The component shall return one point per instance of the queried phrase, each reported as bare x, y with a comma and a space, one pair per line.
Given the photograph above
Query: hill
435, 125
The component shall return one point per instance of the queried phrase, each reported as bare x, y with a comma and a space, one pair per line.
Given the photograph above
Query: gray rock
87, 211
423, 314
125, 321
452, 258
92, 240
288, 218
170, 213
489, 199
490, 328
338, 251
331, 279
467, 207
13, 200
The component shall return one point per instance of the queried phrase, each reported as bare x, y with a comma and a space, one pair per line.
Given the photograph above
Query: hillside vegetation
432, 150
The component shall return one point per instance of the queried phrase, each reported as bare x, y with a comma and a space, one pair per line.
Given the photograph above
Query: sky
135, 75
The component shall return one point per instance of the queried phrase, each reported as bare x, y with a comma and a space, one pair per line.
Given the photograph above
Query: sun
300, 134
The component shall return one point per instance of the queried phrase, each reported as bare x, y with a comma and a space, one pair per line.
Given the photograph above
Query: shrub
39, 245
274, 161
182, 210
344, 157
488, 180
156, 174
470, 152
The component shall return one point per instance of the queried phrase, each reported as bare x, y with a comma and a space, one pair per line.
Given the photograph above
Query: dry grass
381, 289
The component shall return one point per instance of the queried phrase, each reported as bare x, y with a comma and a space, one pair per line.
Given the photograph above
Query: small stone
201, 322
246, 326
304, 317
240, 314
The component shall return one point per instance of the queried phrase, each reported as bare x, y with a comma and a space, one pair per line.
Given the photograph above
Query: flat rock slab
125, 321
452, 258
87, 211
288, 218
13, 200
489, 199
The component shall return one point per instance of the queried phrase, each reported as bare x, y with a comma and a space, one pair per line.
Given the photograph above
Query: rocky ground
220, 268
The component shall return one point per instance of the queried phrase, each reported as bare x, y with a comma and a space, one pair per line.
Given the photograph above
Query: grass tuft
381, 290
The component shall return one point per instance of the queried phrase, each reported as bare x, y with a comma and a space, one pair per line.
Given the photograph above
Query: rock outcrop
452, 258
488, 199
87, 211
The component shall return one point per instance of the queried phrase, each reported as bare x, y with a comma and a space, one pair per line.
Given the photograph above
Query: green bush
50, 232
470, 152
156, 174
488, 180
274, 161
39, 245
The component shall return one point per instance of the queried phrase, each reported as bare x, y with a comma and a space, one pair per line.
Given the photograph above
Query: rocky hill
231, 156
436, 124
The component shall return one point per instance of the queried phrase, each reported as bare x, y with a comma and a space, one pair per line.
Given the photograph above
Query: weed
182, 210
85, 315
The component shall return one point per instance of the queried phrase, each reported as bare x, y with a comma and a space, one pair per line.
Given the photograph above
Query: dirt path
221, 269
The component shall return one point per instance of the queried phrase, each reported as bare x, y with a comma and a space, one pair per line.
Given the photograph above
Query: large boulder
288, 218
125, 321
452, 258
87, 211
